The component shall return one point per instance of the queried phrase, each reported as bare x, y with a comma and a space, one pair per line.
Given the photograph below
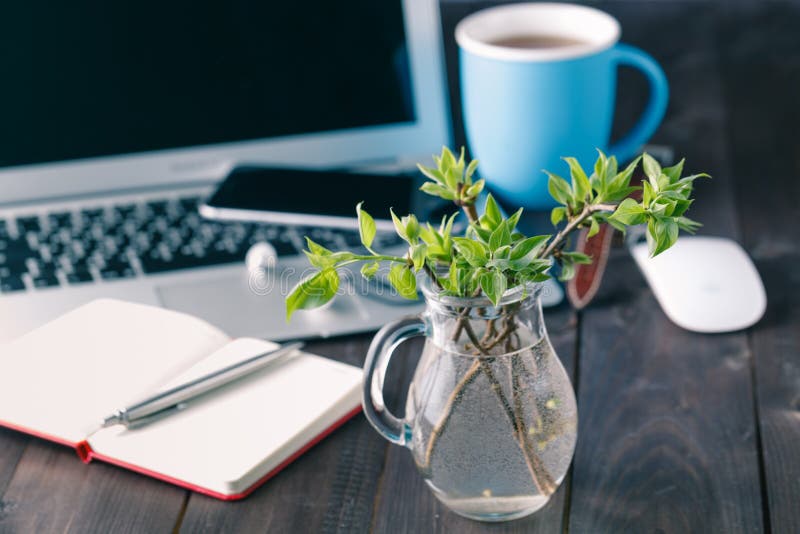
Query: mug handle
629, 145
380, 351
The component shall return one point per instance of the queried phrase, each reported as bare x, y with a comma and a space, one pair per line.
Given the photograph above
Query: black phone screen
325, 193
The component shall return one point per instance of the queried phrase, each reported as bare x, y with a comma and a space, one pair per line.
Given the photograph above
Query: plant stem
576, 221
432, 275
541, 477
452, 401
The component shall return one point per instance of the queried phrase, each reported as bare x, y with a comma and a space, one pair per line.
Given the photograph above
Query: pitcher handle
629, 145
380, 352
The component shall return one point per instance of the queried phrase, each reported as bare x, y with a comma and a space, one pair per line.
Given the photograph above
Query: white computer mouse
705, 284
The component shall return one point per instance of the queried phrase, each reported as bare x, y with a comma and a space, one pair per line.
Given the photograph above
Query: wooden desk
678, 432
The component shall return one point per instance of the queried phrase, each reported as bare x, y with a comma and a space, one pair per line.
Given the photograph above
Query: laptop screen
85, 79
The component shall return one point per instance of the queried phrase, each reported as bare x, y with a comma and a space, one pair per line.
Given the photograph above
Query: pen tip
111, 420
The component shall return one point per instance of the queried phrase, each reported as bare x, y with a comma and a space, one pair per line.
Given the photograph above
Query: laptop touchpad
230, 303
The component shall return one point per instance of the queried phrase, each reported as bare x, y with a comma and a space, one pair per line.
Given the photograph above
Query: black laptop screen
84, 79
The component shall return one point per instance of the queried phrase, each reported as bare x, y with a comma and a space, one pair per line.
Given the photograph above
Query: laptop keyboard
124, 241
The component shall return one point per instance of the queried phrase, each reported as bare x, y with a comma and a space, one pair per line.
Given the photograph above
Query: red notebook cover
86, 454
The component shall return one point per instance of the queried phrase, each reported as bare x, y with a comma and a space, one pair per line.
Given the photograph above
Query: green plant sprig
493, 255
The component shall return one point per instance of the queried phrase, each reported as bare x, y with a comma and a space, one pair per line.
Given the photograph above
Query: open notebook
60, 380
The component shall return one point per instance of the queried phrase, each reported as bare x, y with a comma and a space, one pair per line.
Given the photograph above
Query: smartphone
319, 198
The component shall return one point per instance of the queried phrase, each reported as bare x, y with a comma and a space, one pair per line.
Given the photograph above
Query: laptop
119, 118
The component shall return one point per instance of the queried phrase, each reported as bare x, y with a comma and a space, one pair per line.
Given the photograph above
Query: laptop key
189, 203
28, 224
45, 279
117, 273
9, 284
79, 276
58, 220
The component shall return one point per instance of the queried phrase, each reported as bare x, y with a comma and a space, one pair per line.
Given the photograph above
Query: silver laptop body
90, 212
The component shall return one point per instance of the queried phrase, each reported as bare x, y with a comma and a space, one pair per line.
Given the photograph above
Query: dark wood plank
762, 73
53, 491
328, 489
667, 435
405, 503
12, 445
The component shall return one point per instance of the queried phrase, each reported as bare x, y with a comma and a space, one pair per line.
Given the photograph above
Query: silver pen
174, 399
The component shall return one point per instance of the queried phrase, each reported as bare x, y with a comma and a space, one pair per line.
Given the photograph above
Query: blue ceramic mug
538, 82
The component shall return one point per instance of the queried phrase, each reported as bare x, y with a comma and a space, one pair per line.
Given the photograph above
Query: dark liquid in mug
534, 42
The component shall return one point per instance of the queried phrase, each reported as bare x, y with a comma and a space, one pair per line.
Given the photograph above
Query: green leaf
312, 291
674, 172
437, 190
318, 256
513, 220
452, 177
619, 186
681, 206
482, 233
663, 234
581, 186
651, 168
594, 227
687, 225
493, 283
526, 251
611, 167
577, 257
502, 252
431, 173
418, 254
617, 225
648, 194
474, 252
492, 213
366, 226
399, 227
412, 227
448, 160
316, 248
567, 270
662, 181
471, 168
600, 166
629, 213
429, 235
500, 237
447, 227
559, 188
368, 270
475, 189
557, 215
403, 280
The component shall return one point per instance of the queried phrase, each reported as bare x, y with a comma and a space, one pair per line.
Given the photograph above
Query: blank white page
231, 437
64, 377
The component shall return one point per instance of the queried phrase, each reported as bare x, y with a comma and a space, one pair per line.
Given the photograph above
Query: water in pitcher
493, 444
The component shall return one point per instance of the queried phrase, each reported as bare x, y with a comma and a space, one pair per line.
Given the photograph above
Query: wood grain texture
12, 446
405, 503
667, 437
666, 434
669, 427
53, 491
328, 489
766, 160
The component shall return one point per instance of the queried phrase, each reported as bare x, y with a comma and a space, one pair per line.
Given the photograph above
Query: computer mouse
705, 284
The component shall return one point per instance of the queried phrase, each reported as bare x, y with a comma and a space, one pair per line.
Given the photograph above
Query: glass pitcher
491, 418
